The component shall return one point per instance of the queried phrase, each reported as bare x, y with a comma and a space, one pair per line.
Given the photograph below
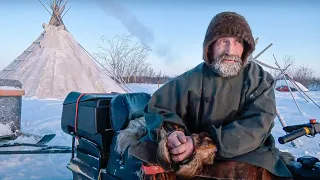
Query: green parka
238, 112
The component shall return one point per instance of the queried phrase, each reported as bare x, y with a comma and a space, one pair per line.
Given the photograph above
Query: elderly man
221, 111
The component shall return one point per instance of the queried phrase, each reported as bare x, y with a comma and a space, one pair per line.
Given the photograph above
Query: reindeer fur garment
131, 135
199, 164
204, 154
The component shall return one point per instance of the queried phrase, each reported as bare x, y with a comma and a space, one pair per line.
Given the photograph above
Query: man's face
227, 52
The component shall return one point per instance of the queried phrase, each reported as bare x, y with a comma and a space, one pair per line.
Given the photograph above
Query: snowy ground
43, 117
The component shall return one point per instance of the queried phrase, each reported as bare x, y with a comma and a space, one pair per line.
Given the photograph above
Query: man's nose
230, 48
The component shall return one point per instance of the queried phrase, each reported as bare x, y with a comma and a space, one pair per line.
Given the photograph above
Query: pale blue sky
174, 28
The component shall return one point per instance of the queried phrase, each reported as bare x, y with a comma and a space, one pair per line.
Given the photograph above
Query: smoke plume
135, 26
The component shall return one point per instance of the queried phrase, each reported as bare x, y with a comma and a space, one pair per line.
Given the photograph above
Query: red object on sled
149, 170
313, 121
283, 89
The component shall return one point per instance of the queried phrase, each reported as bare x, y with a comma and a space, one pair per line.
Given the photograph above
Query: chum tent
56, 64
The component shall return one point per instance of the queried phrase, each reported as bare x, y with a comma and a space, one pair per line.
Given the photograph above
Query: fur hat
228, 24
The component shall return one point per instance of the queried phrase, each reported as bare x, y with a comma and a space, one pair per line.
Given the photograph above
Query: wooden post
10, 103
264, 50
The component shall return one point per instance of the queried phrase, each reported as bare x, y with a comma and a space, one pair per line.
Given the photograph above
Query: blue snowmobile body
94, 120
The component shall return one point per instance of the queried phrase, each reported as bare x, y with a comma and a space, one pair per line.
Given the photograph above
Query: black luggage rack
93, 121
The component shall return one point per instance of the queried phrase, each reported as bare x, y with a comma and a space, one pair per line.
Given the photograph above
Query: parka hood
228, 24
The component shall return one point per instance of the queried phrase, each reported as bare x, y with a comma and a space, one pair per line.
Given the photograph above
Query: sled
94, 121
11, 102
41, 145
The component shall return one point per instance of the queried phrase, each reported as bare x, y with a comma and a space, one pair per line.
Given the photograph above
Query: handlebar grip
294, 135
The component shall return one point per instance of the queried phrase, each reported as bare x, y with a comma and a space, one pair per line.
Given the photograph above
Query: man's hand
176, 138
183, 151
180, 146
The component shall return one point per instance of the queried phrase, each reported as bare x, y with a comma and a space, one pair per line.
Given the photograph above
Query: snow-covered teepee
56, 64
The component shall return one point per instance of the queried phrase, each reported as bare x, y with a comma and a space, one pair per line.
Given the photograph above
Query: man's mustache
226, 56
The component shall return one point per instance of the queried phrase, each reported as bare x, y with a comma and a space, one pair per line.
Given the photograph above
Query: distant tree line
300, 73
147, 80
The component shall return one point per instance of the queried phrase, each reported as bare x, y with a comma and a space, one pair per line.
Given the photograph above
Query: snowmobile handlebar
312, 128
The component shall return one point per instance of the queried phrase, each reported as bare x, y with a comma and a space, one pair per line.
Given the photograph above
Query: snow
289, 111
4, 129
42, 116
9, 88
60, 65
148, 88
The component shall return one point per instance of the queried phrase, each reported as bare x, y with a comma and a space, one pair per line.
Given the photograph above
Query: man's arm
169, 104
166, 108
164, 114
252, 126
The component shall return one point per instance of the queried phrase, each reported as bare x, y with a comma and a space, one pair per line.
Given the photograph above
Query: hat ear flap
208, 53
245, 52
228, 24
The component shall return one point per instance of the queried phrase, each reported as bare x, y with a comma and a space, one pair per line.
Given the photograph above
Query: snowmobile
94, 120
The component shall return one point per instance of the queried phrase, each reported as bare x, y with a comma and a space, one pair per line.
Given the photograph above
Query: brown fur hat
228, 24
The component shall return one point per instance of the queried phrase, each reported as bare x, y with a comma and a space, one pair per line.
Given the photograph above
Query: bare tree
124, 57
289, 60
286, 61
303, 74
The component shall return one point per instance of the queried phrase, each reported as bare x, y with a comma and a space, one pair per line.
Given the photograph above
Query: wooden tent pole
282, 121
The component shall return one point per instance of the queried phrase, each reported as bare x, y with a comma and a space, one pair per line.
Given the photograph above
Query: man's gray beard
225, 69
